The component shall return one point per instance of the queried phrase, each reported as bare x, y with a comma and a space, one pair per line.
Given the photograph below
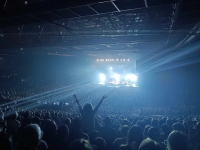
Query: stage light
127, 76
102, 77
117, 77
131, 77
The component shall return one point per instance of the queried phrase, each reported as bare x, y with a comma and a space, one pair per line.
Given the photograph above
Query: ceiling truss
137, 25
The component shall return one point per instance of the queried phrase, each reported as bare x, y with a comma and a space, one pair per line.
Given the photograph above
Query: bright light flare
117, 77
131, 77
102, 77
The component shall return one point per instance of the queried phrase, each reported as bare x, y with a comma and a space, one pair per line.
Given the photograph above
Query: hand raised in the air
105, 96
75, 96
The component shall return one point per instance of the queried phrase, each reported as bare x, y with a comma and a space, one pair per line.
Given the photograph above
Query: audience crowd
117, 122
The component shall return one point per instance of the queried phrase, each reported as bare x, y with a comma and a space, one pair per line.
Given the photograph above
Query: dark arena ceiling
60, 27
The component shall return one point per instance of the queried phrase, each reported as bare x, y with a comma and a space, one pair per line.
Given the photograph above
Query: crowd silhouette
103, 127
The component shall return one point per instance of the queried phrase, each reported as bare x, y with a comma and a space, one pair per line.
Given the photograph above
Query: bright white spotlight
131, 77
127, 76
111, 68
117, 77
102, 77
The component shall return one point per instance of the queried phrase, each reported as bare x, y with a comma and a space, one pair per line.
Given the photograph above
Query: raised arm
97, 107
79, 105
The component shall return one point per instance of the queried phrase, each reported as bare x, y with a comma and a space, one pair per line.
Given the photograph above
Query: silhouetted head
166, 129
77, 124
148, 122
100, 143
27, 114
67, 122
178, 141
135, 135
36, 120
197, 127
107, 121
124, 130
153, 133
88, 108
93, 135
13, 116
149, 144
1, 116
51, 128
63, 132
154, 122
29, 137
179, 127
161, 122
125, 122
80, 144
169, 122
146, 129
142, 125
37, 114
2, 126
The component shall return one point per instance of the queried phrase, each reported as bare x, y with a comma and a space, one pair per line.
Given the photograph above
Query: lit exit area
116, 72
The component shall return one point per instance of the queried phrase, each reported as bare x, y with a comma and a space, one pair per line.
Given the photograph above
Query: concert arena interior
99, 75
